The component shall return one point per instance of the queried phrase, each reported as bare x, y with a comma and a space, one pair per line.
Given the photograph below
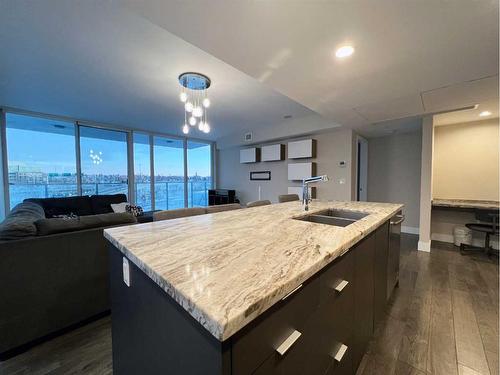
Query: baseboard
478, 242
424, 246
25, 347
409, 230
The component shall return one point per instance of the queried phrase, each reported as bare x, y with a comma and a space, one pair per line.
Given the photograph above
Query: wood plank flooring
442, 320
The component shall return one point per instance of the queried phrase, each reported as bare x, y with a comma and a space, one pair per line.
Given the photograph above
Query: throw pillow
119, 207
134, 210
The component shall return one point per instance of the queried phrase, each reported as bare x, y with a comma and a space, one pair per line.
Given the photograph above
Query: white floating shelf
249, 155
273, 152
299, 171
302, 149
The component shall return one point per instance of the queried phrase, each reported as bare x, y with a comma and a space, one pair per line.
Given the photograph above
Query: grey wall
394, 172
332, 147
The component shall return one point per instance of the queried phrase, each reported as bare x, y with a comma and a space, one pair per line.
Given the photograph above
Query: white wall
465, 162
332, 147
394, 173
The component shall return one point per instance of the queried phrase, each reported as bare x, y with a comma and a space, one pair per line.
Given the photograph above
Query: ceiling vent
248, 137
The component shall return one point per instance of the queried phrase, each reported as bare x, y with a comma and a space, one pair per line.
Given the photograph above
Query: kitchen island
249, 291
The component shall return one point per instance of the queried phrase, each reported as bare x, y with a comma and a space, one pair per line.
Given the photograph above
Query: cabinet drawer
337, 279
314, 354
260, 339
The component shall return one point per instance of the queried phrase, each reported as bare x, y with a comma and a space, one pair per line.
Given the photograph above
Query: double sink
338, 218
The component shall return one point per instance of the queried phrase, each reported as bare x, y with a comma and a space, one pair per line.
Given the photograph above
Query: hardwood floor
443, 320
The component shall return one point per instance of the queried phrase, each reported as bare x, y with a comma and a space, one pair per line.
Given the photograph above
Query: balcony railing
168, 195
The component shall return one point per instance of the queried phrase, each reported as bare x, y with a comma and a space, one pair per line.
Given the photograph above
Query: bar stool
288, 198
258, 203
489, 226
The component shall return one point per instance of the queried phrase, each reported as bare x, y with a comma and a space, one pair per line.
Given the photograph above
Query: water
168, 195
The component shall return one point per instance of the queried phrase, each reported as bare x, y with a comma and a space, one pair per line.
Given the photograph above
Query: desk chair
488, 224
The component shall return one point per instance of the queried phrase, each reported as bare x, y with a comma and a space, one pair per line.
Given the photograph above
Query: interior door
362, 170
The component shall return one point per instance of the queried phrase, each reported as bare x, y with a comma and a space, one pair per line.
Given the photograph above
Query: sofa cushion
64, 206
101, 204
56, 225
20, 222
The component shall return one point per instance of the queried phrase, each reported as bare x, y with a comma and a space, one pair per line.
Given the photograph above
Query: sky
55, 153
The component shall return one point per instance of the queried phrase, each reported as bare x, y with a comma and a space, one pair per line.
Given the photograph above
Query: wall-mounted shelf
299, 171
302, 149
250, 155
273, 152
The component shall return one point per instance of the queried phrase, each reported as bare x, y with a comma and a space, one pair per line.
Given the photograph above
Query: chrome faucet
305, 188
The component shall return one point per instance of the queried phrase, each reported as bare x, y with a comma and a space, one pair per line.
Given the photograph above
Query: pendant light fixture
193, 94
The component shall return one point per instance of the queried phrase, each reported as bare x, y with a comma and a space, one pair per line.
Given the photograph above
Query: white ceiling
117, 62
468, 115
96, 61
411, 58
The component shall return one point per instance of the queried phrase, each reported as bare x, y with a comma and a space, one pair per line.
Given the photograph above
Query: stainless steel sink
343, 214
338, 218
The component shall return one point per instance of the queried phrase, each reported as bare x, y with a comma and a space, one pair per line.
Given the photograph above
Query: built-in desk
449, 213
466, 204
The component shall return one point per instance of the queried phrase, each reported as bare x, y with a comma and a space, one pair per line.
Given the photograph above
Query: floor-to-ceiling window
42, 162
41, 158
142, 171
103, 156
199, 168
168, 173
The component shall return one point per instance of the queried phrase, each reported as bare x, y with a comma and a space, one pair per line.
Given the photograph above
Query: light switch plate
126, 272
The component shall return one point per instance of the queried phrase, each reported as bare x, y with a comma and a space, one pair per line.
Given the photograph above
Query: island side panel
152, 334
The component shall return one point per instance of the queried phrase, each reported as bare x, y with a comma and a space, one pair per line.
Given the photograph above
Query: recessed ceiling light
344, 51
485, 113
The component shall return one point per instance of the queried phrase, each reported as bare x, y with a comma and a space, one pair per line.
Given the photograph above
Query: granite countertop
464, 203
227, 268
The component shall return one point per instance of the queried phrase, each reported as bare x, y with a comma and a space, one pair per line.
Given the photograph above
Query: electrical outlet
126, 272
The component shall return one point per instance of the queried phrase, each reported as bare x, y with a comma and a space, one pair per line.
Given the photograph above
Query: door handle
340, 353
340, 286
288, 343
401, 219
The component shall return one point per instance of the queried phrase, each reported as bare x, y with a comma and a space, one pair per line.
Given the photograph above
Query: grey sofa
54, 278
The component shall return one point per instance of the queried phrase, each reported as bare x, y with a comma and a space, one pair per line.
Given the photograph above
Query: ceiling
411, 57
118, 62
468, 115
99, 62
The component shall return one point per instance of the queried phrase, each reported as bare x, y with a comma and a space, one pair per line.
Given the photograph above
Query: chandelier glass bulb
183, 97
197, 111
192, 121
206, 102
189, 107
185, 129
201, 125
206, 128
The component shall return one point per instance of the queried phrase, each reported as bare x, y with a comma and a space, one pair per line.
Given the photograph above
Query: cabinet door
380, 272
364, 253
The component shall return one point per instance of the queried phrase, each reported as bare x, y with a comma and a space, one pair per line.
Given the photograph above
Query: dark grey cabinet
322, 328
380, 272
364, 253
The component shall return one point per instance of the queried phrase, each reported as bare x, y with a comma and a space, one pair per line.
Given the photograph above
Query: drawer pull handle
340, 353
287, 344
341, 285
